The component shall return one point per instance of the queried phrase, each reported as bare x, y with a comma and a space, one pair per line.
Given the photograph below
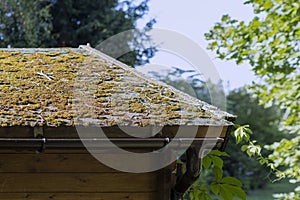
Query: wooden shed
42, 155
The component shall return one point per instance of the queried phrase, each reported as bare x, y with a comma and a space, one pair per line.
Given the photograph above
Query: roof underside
67, 87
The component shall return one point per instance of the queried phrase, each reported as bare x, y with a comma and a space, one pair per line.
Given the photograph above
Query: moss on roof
42, 87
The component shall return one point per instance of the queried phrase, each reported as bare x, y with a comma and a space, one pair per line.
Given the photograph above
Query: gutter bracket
39, 133
193, 171
43, 145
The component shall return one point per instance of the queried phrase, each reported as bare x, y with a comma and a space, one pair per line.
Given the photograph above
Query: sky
193, 18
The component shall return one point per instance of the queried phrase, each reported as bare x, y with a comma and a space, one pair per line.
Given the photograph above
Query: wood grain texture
79, 196
77, 182
51, 163
29, 163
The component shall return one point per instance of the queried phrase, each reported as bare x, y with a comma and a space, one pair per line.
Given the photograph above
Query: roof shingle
43, 87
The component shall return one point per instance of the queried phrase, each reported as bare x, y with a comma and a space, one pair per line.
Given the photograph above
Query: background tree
25, 23
270, 43
70, 23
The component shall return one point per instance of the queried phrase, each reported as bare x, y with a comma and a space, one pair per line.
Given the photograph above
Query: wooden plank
164, 184
16, 131
51, 163
79, 196
201, 131
48, 151
65, 151
30, 163
77, 182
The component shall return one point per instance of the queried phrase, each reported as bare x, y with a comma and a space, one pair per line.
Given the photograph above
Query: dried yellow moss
36, 89
34, 81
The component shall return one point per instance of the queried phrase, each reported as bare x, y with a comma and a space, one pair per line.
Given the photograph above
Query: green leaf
237, 126
226, 193
232, 181
218, 173
218, 162
206, 162
244, 147
268, 4
248, 130
235, 191
225, 18
218, 153
215, 188
262, 160
242, 133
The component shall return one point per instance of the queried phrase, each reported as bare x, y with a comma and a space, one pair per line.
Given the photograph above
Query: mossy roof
42, 87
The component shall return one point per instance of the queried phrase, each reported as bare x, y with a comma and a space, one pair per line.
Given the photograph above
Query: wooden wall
75, 175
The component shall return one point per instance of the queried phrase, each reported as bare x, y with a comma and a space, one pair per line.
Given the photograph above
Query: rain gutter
41, 144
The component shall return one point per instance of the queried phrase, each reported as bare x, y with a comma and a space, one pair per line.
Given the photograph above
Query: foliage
61, 23
270, 43
25, 23
225, 187
255, 150
264, 123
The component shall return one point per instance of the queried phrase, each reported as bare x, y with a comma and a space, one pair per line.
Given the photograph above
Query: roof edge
227, 116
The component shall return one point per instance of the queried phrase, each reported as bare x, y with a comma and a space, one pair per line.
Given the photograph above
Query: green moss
33, 81
38, 90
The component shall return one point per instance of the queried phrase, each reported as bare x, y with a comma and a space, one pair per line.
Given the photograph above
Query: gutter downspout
193, 170
194, 156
